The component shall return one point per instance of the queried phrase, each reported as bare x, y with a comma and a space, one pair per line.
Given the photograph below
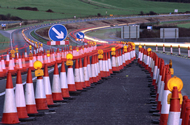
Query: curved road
180, 67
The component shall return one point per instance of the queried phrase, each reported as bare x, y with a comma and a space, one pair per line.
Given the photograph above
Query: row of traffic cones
167, 109
63, 85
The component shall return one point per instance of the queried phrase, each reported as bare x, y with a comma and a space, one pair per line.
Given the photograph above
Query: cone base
65, 93
87, 83
10, 118
78, 85
22, 113
57, 96
31, 109
41, 104
72, 87
49, 100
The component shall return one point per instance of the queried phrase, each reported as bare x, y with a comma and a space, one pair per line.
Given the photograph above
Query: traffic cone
3, 65
174, 115
7, 59
186, 112
70, 79
25, 55
93, 67
11, 66
155, 72
86, 77
58, 59
78, 82
24, 68
56, 88
183, 109
97, 69
160, 86
34, 57
81, 73
101, 67
10, 115
41, 102
114, 67
63, 82
89, 70
109, 64
1, 69
165, 106
47, 86
19, 96
45, 58
29, 95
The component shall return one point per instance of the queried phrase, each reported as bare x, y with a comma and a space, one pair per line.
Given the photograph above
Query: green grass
70, 8
142, 5
185, 25
4, 43
103, 33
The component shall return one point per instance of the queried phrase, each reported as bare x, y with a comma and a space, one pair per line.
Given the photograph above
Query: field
85, 8
185, 25
4, 43
103, 33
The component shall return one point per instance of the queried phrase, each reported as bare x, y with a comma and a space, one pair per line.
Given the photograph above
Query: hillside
59, 9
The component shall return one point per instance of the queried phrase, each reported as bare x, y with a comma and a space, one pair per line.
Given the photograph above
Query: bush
28, 8
50, 11
99, 15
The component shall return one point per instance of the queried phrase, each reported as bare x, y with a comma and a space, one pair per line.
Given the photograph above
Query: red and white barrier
58, 42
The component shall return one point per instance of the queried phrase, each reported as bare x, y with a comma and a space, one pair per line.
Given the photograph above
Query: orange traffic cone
81, 72
93, 70
24, 68
63, 82
56, 88
29, 95
58, 59
10, 115
70, 79
114, 68
101, 67
1, 69
3, 65
86, 77
165, 106
78, 83
11, 66
89, 70
109, 63
98, 76
19, 96
41, 102
174, 115
183, 109
186, 112
47, 86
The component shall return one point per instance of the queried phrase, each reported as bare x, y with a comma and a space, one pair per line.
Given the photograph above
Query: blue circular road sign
57, 32
80, 35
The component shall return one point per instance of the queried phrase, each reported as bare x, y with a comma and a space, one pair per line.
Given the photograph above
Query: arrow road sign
80, 35
57, 32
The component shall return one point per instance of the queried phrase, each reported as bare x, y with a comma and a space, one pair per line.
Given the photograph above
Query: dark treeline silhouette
179, 1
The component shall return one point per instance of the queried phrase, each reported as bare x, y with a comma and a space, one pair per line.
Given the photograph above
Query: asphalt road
120, 100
